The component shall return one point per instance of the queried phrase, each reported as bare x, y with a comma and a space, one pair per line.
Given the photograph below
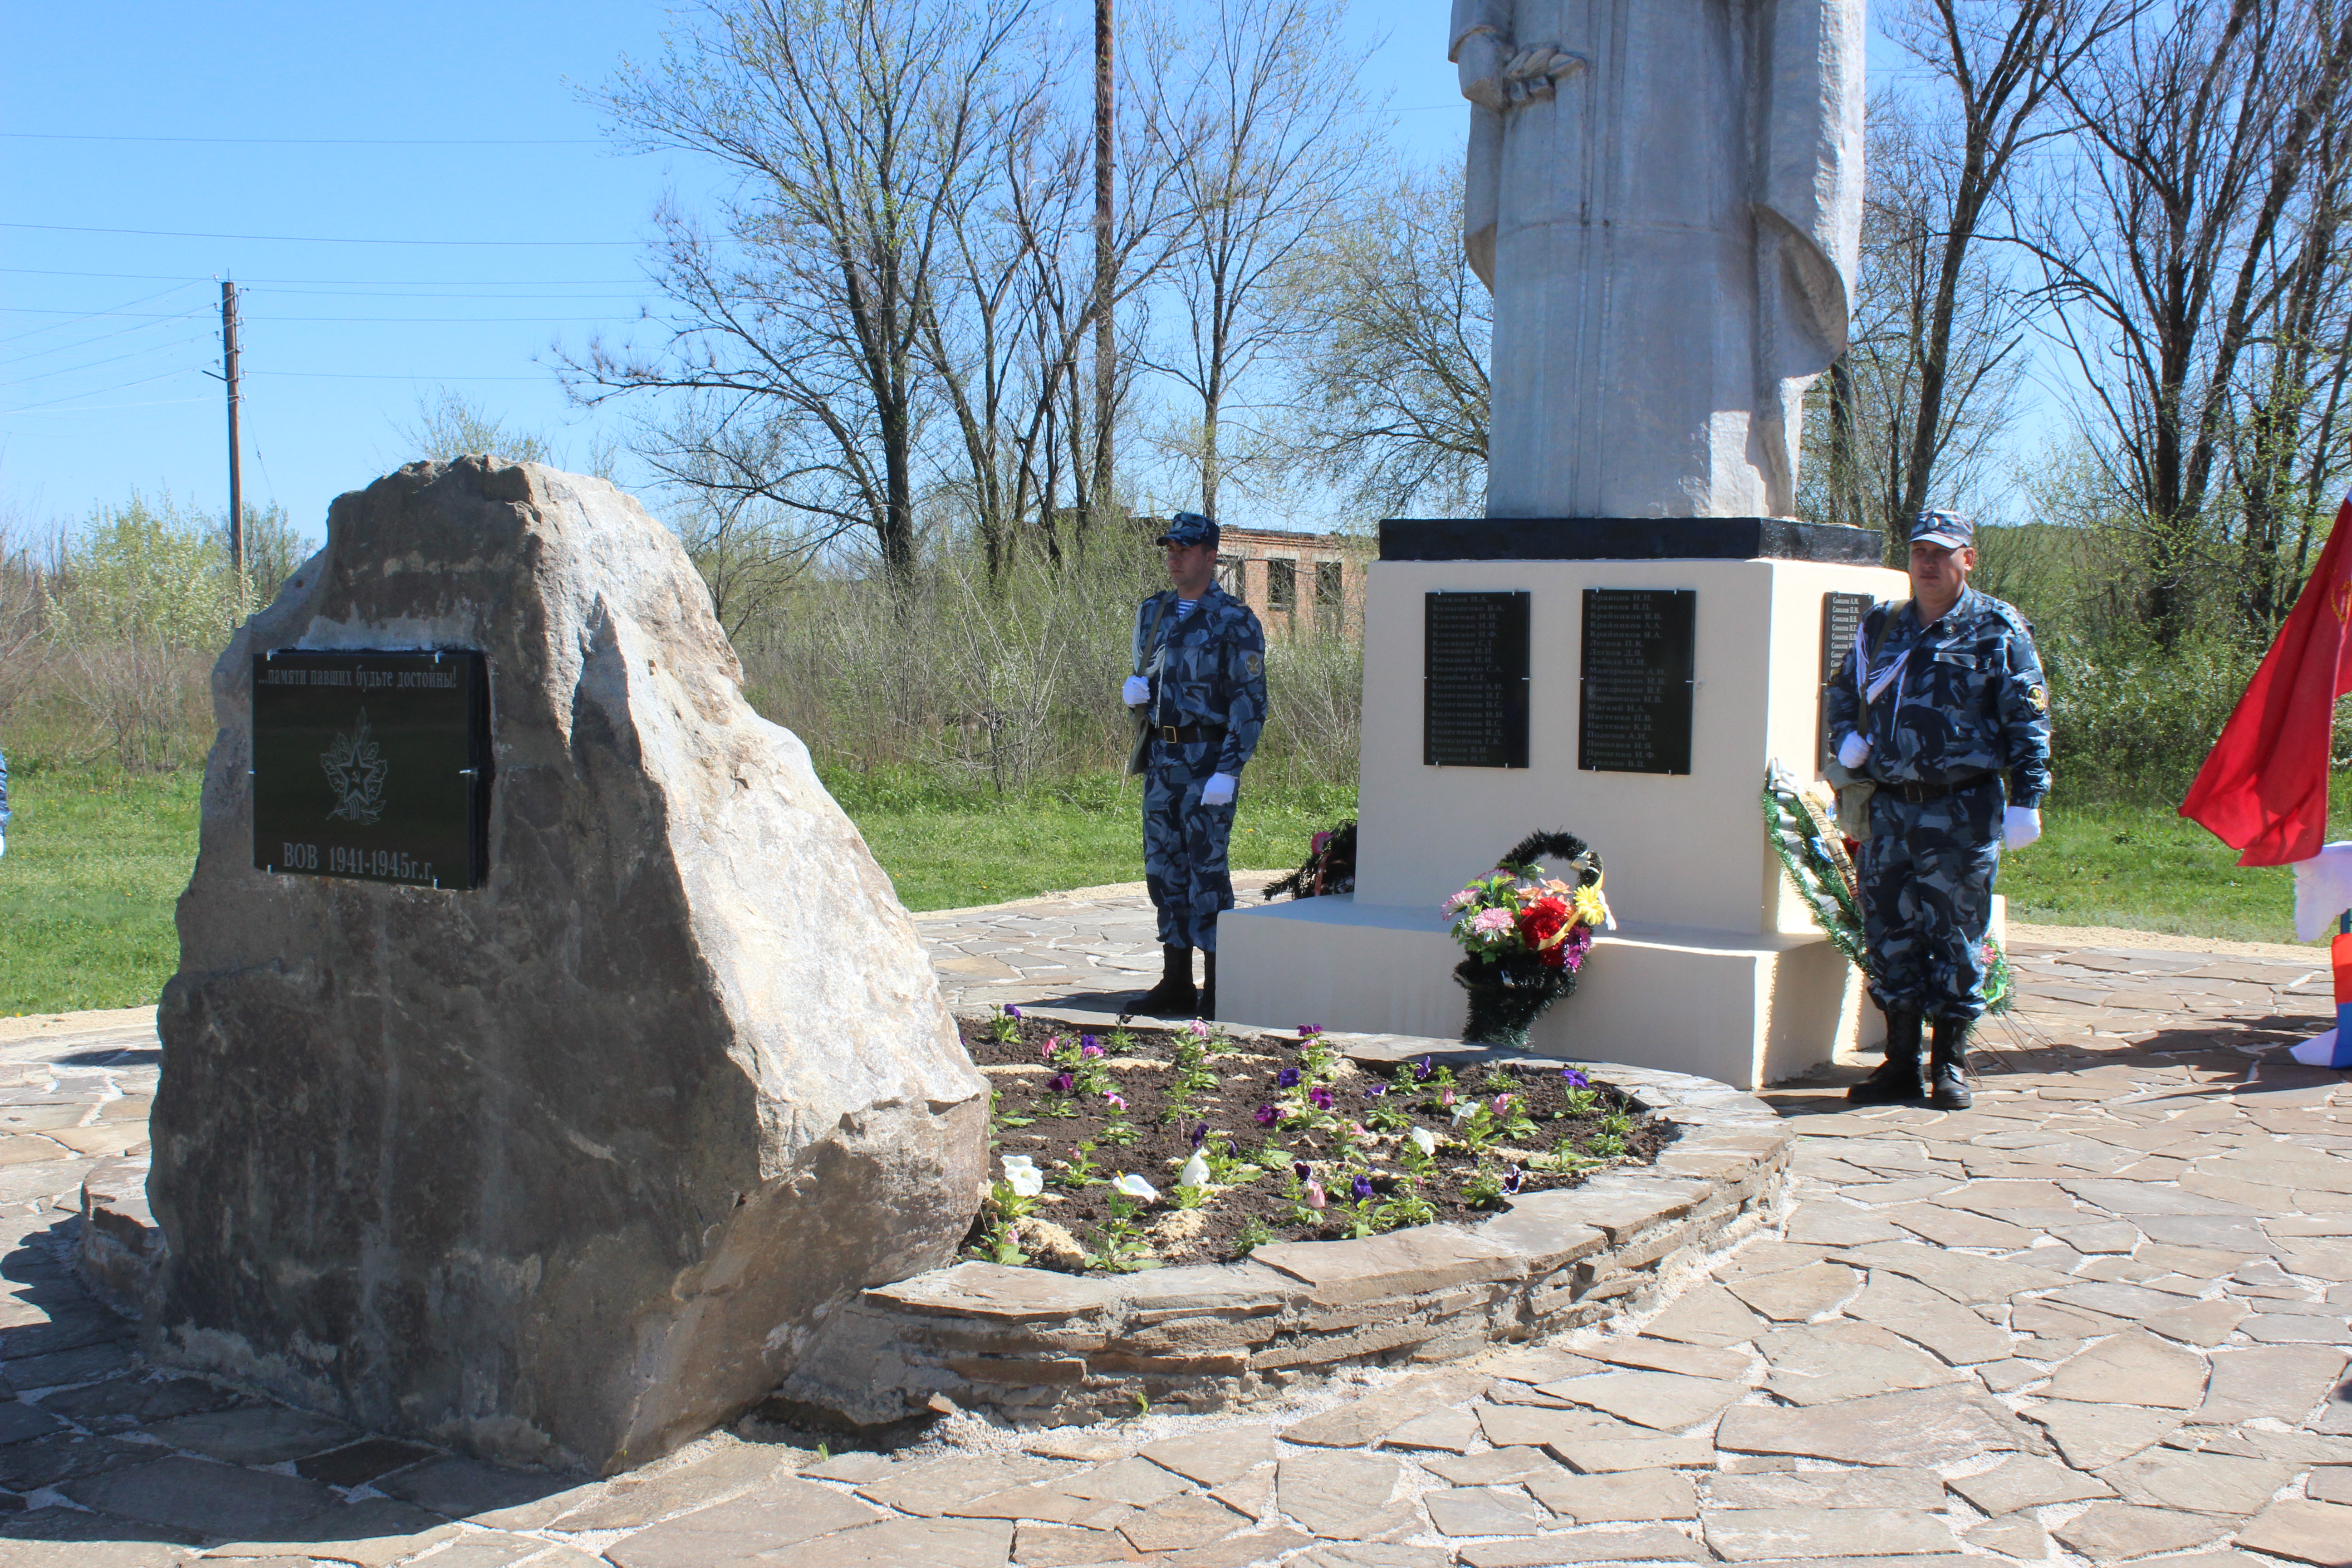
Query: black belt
1184, 734
1919, 794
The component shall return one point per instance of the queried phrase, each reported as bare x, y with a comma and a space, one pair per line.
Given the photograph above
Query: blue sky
347, 166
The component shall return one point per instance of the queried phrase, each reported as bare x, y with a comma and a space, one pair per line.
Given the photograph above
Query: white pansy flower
1462, 1110
1195, 1172
1424, 1139
1022, 1174
1135, 1187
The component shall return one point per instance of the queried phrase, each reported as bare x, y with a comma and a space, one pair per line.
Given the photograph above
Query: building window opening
1282, 584
1331, 592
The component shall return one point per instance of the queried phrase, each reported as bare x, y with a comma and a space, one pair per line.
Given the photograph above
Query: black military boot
1208, 988
1896, 1082
1947, 1079
1175, 996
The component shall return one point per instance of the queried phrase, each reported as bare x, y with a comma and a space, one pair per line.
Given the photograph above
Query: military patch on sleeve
2039, 696
1256, 663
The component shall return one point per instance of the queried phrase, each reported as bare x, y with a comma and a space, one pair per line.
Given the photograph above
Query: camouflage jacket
1208, 668
1965, 696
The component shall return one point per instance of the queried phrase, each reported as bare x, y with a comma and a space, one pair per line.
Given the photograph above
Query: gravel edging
1045, 1349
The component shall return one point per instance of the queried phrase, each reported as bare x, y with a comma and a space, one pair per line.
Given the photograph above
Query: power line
101, 392
362, 375
404, 320
79, 315
79, 343
303, 238
116, 359
104, 408
315, 141
413, 282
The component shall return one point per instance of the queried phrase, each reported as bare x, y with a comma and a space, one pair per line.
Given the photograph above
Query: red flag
2263, 787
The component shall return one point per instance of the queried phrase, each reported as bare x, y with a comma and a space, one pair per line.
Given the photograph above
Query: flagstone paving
2100, 1318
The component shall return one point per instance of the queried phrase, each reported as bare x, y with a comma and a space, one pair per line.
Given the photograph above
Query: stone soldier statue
1665, 198
1200, 687
1936, 699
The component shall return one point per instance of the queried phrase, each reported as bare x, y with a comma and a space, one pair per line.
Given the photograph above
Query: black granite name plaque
1841, 617
1473, 684
372, 765
1640, 658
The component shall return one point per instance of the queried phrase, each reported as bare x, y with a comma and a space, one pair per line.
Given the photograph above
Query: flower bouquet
1527, 936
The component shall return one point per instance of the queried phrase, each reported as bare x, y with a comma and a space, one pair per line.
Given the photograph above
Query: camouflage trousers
1927, 875
1184, 844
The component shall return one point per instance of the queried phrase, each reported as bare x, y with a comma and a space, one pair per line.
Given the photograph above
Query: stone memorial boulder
567, 1167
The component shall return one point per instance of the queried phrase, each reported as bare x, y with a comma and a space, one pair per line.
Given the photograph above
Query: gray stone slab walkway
2101, 1317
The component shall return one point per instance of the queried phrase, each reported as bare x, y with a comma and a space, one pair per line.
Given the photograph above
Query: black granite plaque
1840, 615
1640, 656
372, 765
1473, 686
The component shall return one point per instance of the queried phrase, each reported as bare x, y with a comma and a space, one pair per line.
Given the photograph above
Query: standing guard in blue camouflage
1935, 702
1200, 655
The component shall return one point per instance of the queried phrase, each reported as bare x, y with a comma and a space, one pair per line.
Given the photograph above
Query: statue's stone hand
1533, 71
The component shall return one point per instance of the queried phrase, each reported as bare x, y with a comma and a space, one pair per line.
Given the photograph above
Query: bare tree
1259, 121
1998, 64
1017, 299
858, 129
2172, 254
1389, 370
1862, 464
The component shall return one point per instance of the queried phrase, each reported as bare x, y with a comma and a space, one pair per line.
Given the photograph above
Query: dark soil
1046, 1116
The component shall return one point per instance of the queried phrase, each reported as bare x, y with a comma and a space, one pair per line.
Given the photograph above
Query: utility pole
235, 486
1105, 338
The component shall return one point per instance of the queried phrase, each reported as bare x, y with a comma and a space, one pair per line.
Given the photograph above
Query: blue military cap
1948, 529
1188, 528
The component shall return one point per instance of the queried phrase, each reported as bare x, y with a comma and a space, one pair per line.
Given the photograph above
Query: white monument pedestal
1717, 968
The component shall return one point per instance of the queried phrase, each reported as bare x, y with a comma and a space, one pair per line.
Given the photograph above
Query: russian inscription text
372, 765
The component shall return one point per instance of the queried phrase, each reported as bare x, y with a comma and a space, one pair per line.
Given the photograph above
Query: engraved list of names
1474, 706
1639, 647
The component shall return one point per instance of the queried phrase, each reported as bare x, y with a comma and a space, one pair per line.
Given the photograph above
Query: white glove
4, 844
2020, 825
1854, 750
1136, 693
1218, 791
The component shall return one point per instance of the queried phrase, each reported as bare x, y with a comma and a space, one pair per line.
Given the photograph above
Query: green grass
94, 865
949, 850
96, 859
2145, 868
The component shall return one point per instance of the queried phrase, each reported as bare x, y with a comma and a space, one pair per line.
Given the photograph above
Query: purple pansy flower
1320, 1097
1364, 1186
1061, 1083
1421, 1070
1309, 1031
1374, 1091
1511, 1182
1266, 1115
1286, 1079
1200, 1133
1573, 1078
1298, 1169
1011, 1012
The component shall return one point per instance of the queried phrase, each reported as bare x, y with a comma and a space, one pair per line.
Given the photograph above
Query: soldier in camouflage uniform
1935, 701
1199, 658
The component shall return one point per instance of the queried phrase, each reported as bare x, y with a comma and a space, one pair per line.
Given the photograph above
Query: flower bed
1148, 1146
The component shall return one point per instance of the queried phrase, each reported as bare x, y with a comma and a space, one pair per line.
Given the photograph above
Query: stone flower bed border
1041, 1348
